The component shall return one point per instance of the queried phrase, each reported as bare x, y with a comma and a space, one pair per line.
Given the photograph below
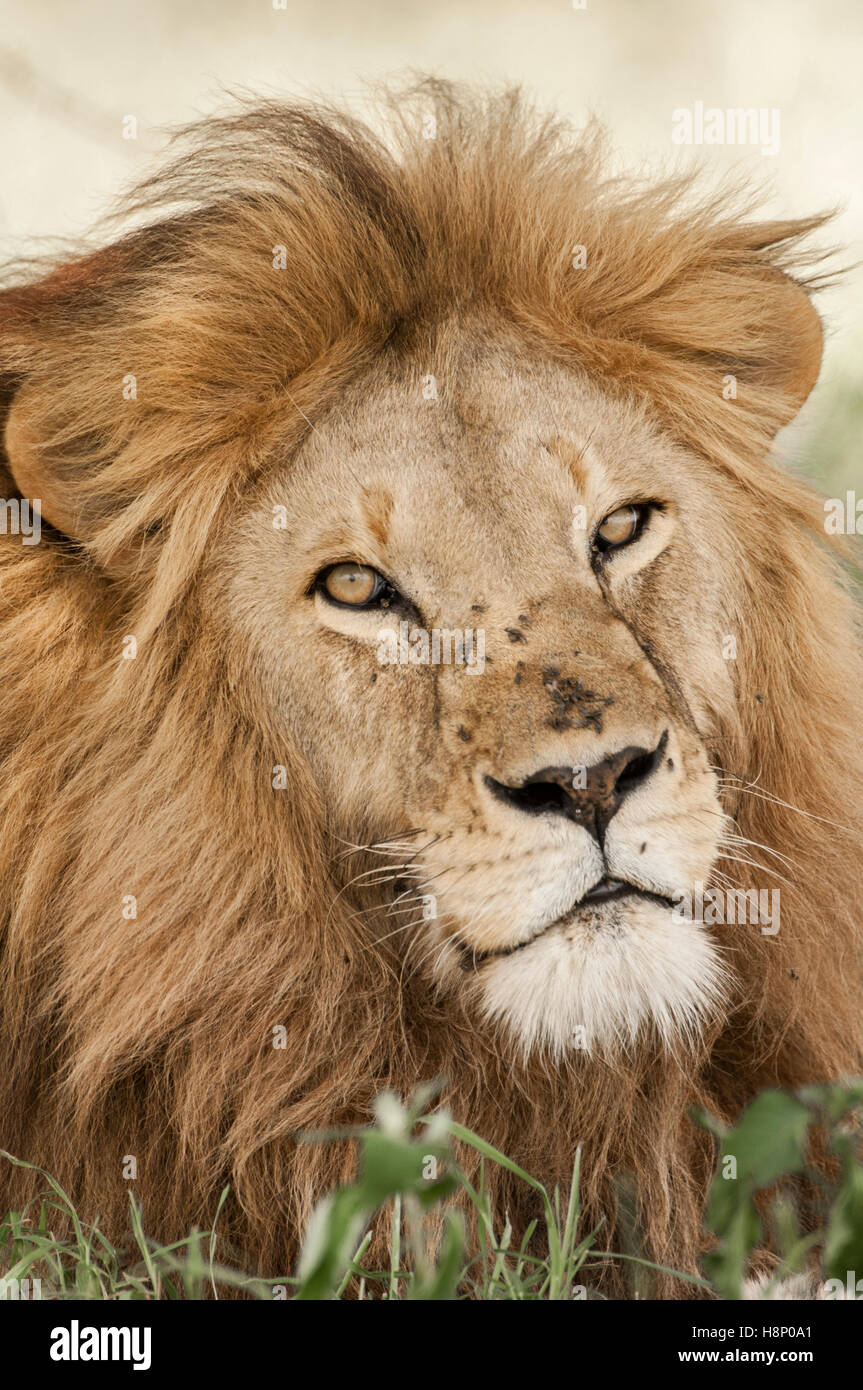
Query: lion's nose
589, 796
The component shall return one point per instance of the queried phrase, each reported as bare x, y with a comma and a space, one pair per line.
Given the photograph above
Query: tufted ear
31, 470
799, 338
49, 425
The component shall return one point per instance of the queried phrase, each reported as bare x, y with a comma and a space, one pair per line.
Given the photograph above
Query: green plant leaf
843, 1247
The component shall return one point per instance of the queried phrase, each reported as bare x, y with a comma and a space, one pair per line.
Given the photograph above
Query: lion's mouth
605, 891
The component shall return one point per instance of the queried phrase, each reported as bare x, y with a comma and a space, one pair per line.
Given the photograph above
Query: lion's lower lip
607, 890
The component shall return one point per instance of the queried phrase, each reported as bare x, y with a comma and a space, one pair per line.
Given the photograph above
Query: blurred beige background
69, 74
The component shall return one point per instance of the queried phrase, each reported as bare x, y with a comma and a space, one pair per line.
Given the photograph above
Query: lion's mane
152, 1036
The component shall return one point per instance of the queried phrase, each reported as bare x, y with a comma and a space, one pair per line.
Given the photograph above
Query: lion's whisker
731, 858
423, 880
741, 841
405, 927
752, 789
375, 846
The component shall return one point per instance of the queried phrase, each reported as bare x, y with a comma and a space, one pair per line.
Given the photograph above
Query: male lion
464, 382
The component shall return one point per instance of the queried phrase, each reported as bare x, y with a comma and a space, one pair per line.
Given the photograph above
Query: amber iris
351, 583
619, 527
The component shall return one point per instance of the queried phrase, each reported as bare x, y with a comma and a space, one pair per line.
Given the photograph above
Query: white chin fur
598, 985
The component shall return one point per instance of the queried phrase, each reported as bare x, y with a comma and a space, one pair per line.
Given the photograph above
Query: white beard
597, 984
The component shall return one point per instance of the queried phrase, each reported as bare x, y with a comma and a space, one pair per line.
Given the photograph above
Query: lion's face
537, 803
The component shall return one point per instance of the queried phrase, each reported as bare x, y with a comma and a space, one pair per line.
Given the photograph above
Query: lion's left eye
353, 585
620, 527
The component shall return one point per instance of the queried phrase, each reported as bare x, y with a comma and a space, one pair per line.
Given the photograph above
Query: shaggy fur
153, 1036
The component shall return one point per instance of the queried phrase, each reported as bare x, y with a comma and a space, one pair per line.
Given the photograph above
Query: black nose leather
608, 783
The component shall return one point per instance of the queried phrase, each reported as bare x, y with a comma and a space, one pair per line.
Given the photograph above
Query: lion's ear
796, 329
58, 425
32, 473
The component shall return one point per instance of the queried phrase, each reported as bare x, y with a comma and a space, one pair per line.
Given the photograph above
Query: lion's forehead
480, 468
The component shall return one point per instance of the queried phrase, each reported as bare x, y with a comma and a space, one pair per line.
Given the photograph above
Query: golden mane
153, 1036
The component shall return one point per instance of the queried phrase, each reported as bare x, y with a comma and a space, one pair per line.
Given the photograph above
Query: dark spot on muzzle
573, 706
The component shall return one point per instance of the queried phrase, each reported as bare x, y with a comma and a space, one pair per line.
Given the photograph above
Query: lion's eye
620, 527
354, 585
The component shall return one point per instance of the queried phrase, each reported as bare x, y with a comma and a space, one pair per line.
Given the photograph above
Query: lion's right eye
353, 585
621, 527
